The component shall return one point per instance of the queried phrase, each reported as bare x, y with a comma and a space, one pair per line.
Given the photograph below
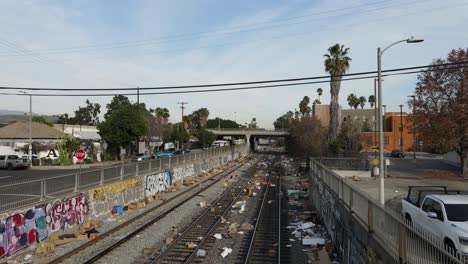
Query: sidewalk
77, 166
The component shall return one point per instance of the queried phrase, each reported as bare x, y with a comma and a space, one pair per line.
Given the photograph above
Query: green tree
371, 100
178, 133
66, 148
162, 114
253, 123
317, 101
116, 103
223, 123
336, 63
42, 120
200, 118
88, 115
350, 135
319, 92
205, 136
122, 126
285, 121
352, 100
304, 107
362, 101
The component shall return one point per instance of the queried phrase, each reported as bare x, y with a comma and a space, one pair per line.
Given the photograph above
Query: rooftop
20, 130
452, 198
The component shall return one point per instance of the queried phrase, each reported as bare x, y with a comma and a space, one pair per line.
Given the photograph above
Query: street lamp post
30, 126
379, 82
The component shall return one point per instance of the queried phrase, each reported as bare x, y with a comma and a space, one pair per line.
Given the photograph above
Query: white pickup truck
441, 212
13, 162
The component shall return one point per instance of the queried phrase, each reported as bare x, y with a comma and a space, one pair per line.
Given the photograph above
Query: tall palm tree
320, 92
362, 101
371, 101
336, 63
162, 114
352, 99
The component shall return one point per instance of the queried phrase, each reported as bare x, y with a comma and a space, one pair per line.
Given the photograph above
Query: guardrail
23, 193
402, 241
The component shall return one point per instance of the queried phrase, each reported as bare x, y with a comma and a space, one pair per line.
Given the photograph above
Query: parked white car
441, 212
11, 162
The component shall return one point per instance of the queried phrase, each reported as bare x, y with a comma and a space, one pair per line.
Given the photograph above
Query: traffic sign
80, 154
376, 162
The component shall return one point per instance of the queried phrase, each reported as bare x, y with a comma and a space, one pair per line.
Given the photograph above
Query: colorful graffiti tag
111, 189
22, 230
66, 213
157, 183
102, 199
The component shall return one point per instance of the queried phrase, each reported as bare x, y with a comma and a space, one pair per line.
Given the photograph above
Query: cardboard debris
169, 240
82, 237
203, 204
45, 247
246, 227
134, 206
147, 251
190, 245
226, 252
148, 200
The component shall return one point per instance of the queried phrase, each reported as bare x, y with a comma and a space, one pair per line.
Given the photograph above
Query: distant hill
6, 119
10, 112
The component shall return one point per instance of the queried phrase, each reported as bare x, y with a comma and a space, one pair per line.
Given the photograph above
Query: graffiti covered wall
24, 229
157, 183
104, 198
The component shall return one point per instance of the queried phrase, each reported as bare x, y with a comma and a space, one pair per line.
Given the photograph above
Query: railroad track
212, 181
201, 230
267, 242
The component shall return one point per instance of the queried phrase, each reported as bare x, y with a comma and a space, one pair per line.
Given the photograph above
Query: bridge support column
247, 139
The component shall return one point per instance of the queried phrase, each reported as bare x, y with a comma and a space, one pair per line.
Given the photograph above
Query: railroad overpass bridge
250, 134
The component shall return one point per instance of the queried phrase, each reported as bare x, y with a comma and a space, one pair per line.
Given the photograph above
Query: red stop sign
80, 154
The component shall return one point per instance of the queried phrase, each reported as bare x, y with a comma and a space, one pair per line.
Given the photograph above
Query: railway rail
154, 213
201, 230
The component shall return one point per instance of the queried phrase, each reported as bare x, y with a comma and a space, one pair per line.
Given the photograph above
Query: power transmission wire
228, 89
180, 37
235, 83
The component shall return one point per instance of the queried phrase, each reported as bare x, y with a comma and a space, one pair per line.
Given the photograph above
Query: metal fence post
370, 218
122, 170
43, 194
102, 175
402, 244
77, 182
136, 169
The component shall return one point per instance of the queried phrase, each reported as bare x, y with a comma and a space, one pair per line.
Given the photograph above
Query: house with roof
15, 138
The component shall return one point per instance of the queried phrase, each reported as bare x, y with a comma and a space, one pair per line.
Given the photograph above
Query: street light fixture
381, 145
30, 125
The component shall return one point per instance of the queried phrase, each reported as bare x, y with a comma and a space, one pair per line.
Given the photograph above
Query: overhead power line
233, 83
230, 89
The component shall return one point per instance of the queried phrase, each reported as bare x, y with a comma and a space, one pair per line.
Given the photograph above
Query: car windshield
457, 212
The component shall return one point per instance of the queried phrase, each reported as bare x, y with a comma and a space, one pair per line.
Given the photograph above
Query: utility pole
414, 128
138, 95
182, 122
401, 128
375, 112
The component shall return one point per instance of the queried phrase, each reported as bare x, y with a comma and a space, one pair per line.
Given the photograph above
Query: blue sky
97, 44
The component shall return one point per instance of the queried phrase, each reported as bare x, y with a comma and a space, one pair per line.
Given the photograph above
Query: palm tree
162, 114
336, 63
201, 117
371, 101
320, 92
362, 101
352, 99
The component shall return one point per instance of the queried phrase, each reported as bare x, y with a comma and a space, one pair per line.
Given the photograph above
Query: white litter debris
307, 225
288, 246
200, 238
27, 257
226, 251
242, 209
218, 236
201, 253
291, 239
313, 241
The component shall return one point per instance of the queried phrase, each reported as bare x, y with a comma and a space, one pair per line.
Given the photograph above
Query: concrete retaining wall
26, 227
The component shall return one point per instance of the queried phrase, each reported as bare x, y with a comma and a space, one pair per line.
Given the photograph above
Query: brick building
397, 129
